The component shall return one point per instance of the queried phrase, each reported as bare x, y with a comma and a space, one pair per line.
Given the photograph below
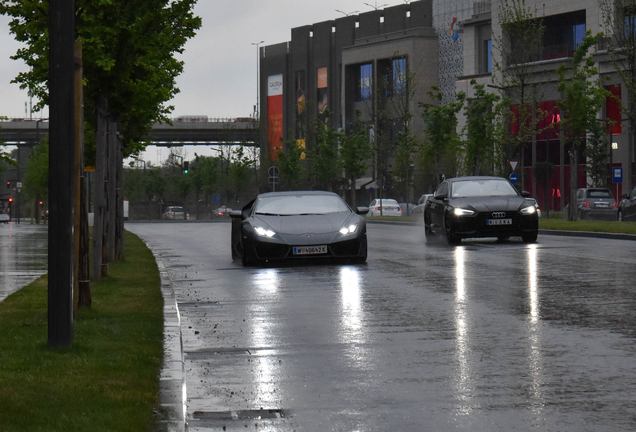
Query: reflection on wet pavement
478, 337
23, 255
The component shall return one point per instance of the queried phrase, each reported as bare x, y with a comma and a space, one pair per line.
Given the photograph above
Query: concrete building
337, 64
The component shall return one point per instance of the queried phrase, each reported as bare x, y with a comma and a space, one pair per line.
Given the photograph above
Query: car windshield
482, 188
599, 194
286, 205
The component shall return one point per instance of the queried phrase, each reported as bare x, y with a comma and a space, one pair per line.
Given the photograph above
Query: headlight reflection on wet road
463, 378
352, 332
267, 283
534, 333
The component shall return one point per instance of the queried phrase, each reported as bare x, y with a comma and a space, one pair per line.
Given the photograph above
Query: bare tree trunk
574, 181
99, 204
111, 191
119, 231
353, 193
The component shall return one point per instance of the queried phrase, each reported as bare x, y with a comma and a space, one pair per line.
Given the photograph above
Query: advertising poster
301, 106
274, 115
323, 94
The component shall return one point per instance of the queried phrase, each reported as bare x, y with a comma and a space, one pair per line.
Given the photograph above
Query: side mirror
624, 196
236, 213
362, 210
439, 197
525, 194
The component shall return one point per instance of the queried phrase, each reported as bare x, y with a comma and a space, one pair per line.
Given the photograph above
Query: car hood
486, 204
305, 224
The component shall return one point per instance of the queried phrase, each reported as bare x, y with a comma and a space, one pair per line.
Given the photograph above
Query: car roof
292, 193
475, 178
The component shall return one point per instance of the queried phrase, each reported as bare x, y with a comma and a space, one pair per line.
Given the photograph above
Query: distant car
627, 207
406, 207
421, 205
278, 226
388, 207
222, 211
596, 203
480, 206
174, 212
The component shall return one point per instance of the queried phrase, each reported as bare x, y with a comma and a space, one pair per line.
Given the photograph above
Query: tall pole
61, 162
258, 108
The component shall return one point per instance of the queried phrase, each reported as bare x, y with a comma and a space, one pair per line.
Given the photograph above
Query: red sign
274, 115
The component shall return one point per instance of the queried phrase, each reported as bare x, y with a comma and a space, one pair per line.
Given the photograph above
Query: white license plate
310, 250
498, 221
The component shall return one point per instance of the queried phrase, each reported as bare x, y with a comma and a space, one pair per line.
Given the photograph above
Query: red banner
274, 115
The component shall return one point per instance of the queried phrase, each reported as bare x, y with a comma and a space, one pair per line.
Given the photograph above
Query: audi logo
499, 214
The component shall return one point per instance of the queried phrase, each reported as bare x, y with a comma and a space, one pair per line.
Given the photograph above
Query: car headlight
348, 229
462, 212
264, 232
528, 210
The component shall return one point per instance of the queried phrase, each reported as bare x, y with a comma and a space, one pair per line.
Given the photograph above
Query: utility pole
61, 162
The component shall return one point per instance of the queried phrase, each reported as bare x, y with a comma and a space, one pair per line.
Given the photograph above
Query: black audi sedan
479, 206
298, 224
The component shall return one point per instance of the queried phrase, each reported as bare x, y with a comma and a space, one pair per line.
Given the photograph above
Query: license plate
498, 221
310, 250
601, 205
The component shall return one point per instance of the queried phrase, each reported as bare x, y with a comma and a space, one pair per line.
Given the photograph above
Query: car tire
428, 233
530, 237
246, 257
451, 238
619, 216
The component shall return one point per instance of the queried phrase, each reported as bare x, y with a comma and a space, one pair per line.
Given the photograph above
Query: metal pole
258, 108
61, 159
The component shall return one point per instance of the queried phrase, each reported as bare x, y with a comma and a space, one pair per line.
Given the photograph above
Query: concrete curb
172, 382
605, 235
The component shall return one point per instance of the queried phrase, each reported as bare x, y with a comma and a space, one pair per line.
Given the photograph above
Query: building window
364, 80
399, 76
563, 34
488, 55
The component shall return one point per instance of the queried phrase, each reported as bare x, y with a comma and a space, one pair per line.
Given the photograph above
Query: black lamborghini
298, 225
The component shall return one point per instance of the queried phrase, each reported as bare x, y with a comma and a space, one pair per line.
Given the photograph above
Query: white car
388, 207
174, 212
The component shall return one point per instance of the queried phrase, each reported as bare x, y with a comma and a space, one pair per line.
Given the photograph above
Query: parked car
596, 203
298, 224
627, 207
480, 206
406, 207
174, 212
385, 207
421, 205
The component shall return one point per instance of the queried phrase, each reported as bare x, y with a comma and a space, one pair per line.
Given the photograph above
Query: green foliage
290, 166
129, 49
36, 180
154, 184
325, 156
356, 149
481, 116
441, 138
240, 170
596, 152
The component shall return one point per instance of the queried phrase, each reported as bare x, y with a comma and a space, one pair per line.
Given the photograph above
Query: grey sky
220, 63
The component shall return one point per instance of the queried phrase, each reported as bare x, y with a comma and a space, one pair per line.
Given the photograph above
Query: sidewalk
23, 255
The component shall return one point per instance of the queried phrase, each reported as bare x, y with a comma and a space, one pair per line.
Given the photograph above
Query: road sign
513, 164
273, 171
513, 178
216, 199
617, 175
273, 180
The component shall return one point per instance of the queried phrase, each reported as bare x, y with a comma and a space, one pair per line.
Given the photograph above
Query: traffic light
10, 200
186, 166
9, 185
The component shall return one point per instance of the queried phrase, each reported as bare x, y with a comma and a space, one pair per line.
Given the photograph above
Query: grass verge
588, 225
108, 380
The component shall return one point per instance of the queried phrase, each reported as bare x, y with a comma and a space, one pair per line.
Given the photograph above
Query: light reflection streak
534, 333
351, 312
266, 283
463, 379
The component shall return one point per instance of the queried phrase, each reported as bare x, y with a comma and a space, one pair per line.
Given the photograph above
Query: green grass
588, 225
108, 380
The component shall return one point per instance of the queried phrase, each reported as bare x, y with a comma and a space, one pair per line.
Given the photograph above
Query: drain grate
262, 414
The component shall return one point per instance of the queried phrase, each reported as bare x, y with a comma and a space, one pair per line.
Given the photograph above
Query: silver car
596, 203
173, 212
421, 205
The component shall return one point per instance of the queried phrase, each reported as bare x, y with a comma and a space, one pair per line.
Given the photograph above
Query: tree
441, 140
154, 186
290, 166
583, 97
240, 171
596, 152
355, 152
36, 180
325, 157
481, 116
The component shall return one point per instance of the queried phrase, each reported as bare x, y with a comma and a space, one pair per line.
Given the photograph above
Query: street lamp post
257, 113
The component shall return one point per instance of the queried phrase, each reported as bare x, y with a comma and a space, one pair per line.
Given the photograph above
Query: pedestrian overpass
188, 130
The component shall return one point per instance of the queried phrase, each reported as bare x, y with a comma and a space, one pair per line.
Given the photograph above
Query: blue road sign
513, 178
617, 175
216, 199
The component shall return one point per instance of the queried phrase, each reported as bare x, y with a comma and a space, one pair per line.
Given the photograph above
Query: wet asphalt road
484, 336
23, 255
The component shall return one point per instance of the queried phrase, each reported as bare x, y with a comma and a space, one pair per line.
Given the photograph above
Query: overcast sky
220, 63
